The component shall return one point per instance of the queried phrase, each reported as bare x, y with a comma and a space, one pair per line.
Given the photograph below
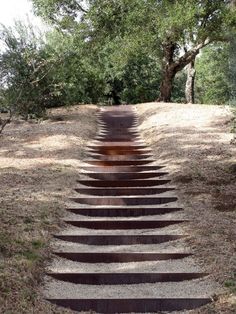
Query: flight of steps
124, 249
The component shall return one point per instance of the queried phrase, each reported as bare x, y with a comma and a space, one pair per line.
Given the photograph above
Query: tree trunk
171, 65
166, 86
189, 88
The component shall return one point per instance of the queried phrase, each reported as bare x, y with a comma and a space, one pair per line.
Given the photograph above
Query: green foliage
178, 92
61, 12
141, 78
212, 81
165, 29
25, 67
232, 71
231, 284
77, 78
39, 72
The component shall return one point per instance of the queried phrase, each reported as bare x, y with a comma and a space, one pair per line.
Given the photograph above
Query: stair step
120, 157
124, 175
121, 257
118, 151
123, 278
121, 168
131, 305
123, 224
123, 211
123, 183
117, 145
123, 191
135, 200
118, 239
105, 163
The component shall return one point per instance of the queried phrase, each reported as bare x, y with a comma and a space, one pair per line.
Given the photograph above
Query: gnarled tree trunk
166, 86
168, 72
172, 65
189, 87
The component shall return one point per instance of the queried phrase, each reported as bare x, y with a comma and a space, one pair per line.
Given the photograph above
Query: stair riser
110, 306
126, 212
119, 240
125, 201
122, 224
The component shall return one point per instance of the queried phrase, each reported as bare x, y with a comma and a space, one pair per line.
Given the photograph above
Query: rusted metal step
131, 305
126, 257
123, 211
124, 278
116, 125
120, 157
121, 168
118, 145
123, 224
132, 201
105, 163
113, 133
118, 122
122, 138
123, 191
117, 151
125, 175
127, 135
119, 239
123, 183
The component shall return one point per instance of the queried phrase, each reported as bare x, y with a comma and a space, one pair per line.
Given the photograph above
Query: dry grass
196, 144
39, 165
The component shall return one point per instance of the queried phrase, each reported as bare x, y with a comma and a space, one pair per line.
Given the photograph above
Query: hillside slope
39, 165
196, 144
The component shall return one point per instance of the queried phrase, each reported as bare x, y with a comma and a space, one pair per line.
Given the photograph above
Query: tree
188, 27
175, 30
25, 65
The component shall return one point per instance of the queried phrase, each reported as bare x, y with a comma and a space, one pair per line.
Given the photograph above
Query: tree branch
81, 8
190, 55
3, 123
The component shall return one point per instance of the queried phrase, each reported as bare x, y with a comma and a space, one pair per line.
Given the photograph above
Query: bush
25, 67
